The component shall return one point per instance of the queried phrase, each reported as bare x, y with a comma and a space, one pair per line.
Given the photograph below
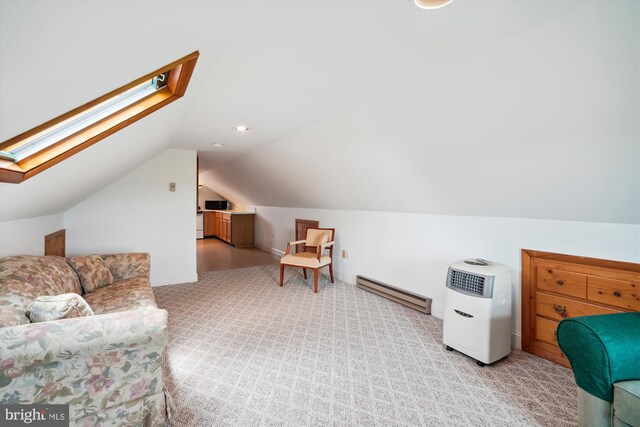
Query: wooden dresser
556, 286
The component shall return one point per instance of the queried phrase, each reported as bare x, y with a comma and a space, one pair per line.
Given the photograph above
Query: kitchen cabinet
209, 224
236, 229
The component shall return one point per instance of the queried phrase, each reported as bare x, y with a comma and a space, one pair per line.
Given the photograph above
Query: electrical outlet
172, 186
345, 254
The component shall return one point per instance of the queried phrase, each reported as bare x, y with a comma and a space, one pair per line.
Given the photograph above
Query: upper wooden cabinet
556, 287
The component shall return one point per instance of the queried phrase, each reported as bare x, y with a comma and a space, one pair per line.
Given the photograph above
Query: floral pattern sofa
109, 366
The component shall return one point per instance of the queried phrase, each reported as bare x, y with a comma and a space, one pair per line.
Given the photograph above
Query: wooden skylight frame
178, 77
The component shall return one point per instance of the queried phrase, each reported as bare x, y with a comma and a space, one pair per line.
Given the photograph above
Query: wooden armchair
319, 239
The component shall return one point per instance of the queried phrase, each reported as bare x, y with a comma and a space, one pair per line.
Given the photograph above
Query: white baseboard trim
516, 340
173, 280
437, 311
272, 251
276, 252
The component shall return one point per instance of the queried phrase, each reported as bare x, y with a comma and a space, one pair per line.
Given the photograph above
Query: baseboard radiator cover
415, 301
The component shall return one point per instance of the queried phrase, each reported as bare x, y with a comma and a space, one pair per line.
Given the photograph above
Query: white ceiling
280, 67
276, 66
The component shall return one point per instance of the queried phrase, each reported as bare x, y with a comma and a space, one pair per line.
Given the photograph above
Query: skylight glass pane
81, 121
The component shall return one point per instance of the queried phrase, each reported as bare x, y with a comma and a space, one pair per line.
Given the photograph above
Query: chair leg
281, 274
304, 271
331, 271
315, 280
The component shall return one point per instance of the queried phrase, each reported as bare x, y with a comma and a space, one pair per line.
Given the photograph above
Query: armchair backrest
318, 236
301, 233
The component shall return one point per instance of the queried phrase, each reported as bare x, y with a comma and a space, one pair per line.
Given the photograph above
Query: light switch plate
172, 186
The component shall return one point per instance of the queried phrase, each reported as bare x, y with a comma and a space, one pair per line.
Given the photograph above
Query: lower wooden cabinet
209, 224
235, 229
556, 287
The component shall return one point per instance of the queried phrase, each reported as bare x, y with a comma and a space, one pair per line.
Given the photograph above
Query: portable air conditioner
477, 310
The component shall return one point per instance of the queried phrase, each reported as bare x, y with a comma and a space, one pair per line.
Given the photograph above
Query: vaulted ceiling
500, 108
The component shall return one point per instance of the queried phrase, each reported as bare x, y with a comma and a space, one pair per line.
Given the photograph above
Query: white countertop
233, 212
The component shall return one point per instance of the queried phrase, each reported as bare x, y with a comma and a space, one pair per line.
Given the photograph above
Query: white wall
26, 236
206, 193
413, 251
138, 213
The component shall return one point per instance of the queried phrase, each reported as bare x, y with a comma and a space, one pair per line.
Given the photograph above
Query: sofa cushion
23, 278
92, 271
122, 296
626, 401
128, 265
54, 307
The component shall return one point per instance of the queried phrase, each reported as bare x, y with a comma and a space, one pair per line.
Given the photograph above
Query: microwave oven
218, 205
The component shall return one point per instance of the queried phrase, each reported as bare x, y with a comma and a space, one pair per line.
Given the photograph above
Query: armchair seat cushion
122, 296
305, 260
626, 402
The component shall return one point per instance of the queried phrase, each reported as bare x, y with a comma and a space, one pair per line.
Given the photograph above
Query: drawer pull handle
549, 271
617, 294
560, 282
560, 309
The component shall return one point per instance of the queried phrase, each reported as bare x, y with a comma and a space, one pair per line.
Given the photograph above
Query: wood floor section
215, 255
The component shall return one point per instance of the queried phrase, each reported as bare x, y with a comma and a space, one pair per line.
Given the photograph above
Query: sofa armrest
91, 363
602, 349
128, 265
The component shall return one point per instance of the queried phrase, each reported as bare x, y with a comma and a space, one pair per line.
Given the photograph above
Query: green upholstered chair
604, 352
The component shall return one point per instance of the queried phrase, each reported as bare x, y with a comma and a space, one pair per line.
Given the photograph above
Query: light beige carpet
245, 352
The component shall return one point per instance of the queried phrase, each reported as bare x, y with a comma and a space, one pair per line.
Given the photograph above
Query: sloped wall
138, 213
26, 236
542, 125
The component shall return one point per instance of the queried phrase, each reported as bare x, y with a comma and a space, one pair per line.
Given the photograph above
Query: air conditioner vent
466, 282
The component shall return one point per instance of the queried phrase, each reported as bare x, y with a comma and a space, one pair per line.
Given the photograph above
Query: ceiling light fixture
217, 144
431, 4
241, 129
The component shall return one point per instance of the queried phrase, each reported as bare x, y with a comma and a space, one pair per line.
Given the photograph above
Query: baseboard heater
401, 296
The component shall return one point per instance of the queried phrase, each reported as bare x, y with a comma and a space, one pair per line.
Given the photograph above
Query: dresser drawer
546, 330
557, 307
561, 282
618, 293
560, 286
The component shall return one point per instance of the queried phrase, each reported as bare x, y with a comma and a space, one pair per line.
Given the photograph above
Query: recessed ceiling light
241, 129
431, 4
217, 144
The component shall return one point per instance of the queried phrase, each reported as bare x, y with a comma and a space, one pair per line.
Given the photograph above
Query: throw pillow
92, 271
54, 307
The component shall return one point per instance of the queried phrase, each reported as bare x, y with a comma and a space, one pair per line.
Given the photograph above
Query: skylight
87, 118
42, 147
